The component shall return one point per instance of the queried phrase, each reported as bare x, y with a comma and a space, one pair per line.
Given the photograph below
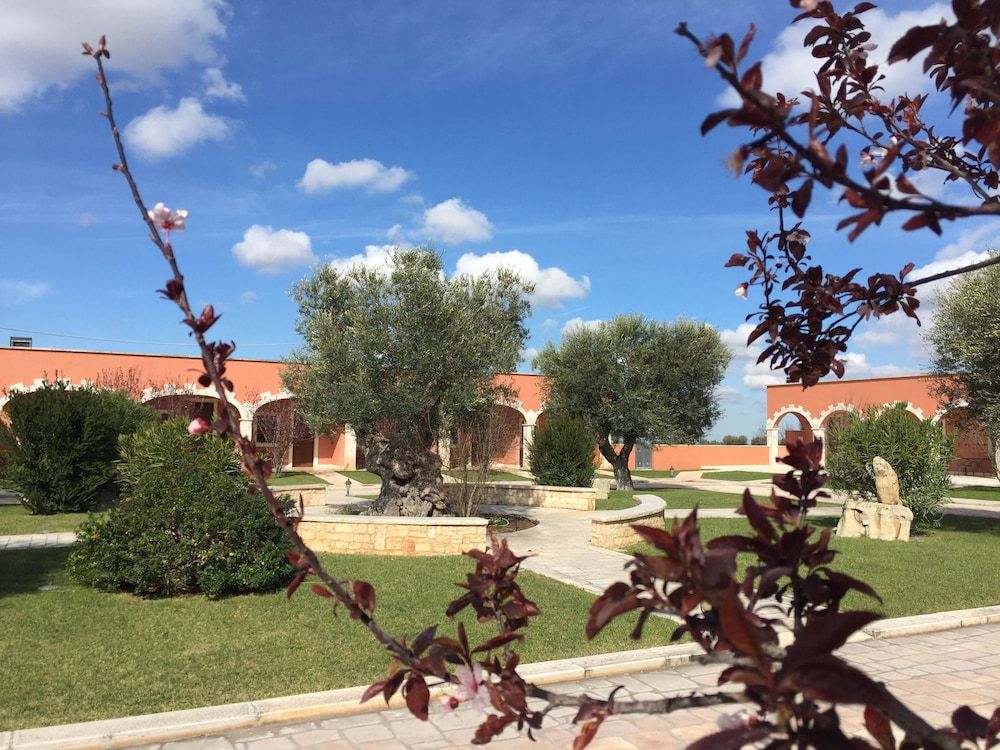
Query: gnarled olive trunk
411, 478
618, 461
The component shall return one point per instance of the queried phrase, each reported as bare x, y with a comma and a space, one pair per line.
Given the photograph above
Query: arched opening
793, 426
833, 423
188, 406
970, 442
280, 431
496, 439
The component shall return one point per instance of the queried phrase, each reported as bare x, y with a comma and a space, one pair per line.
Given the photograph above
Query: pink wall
696, 456
914, 389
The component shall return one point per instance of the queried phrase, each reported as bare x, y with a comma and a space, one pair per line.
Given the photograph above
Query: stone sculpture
886, 482
886, 519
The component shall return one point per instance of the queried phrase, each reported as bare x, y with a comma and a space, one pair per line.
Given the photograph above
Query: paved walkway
37, 541
932, 673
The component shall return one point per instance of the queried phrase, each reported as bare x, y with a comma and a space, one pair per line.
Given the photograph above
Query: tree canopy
966, 341
403, 355
632, 378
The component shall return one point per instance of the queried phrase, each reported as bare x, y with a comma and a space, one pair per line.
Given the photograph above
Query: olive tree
966, 340
404, 355
632, 378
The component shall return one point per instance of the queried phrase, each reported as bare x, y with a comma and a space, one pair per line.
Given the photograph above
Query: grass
15, 519
736, 476
362, 476
295, 477
620, 499
977, 493
494, 475
930, 573
653, 474
80, 654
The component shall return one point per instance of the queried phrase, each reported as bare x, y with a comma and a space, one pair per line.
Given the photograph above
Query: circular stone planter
392, 535
613, 528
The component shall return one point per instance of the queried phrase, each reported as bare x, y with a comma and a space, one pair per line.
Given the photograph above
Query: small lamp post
347, 484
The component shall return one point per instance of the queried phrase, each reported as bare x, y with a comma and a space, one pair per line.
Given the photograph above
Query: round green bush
562, 454
186, 523
918, 451
61, 444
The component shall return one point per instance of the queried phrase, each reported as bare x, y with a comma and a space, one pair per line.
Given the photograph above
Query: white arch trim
784, 411
195, 391
838, 407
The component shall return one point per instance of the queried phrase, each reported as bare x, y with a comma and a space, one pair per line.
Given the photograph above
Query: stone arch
194, 393
806, 419
971, 444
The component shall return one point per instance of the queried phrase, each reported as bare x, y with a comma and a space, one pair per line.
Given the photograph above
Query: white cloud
163, 132
15, 292
744, 362
247, 297
272, 251
395, 233
856, 365
574, 324
413, 199
321, 176
528, 354
453, 221
552, 285
736, 341
87, 219
41, 41
217, 87
377, 257
262, 169
729, 394
790, 68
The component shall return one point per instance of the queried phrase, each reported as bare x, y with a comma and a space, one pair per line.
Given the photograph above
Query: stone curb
176, 725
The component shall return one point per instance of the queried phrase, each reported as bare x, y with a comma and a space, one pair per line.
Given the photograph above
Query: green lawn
15, 519
295, 477
493, 476
977, 493
929, 573
79, 654
619, 499
653, 474
736, 476
364, 477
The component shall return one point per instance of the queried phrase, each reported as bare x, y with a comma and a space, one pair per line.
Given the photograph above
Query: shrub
186, 523
62, 445
919, 452
734, 439
562, 454
758, 440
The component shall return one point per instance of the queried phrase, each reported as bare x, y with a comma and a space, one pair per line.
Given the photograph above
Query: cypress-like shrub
61, 445
186, 523
562, 454
918, 451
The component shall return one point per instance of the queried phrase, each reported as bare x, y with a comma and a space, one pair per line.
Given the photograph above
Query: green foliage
60, 446
966, 341
408, 352
562, 454
734, 440
758, 440
634, 378
918, 451
186, 523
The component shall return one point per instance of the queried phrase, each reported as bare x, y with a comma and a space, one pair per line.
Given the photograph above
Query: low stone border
613, 528
313, 495
392, 535
176, 725
534, 495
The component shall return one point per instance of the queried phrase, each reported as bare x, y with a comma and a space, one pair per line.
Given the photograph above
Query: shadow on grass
24, 570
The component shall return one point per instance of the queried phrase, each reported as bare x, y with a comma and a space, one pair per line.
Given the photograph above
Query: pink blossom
199, 426
166, 219
799, 235
741, 290
468, 688
808, 4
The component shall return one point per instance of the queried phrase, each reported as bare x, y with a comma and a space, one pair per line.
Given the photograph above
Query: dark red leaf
825, 633
417, 696
738, 631
364, 596
969, 723
730, 739
828, 678
321, 591
616, 600
296, 582
879, 727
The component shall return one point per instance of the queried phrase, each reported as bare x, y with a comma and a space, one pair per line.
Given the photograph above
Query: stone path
37, 541
932, 673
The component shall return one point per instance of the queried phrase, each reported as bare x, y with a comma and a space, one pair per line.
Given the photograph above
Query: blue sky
301, 133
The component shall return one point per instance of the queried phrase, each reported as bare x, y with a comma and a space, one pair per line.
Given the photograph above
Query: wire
123, 341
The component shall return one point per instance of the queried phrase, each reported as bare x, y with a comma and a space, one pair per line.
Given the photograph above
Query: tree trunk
411, 479
619, 462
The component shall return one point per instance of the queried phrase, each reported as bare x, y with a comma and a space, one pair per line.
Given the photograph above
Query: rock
886, 482
863, 518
